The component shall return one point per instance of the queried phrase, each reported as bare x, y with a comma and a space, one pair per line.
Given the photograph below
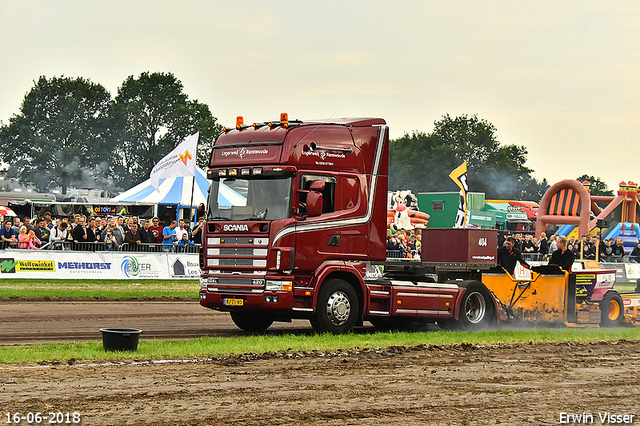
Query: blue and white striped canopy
176, 191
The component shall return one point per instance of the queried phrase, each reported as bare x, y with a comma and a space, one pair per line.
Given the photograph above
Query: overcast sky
559, 77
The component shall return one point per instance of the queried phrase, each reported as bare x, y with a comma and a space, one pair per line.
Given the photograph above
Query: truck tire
251, 321
611, 310
476, 309
337, 308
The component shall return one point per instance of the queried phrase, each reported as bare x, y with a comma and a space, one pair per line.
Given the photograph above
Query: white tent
176, 191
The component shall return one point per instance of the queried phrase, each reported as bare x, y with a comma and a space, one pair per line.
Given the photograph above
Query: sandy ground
462, 385
39, 322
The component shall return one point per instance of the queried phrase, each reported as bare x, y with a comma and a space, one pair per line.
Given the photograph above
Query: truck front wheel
476, 308
251, 321
337, 308
612, 310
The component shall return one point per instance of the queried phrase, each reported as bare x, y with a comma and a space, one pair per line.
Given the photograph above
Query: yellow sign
584, 283
36, 265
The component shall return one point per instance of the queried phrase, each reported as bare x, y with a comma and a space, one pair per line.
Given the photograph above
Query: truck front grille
245, 254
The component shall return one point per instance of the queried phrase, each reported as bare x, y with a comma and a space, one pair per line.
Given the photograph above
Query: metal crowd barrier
400, 254
125, 247
395, 254
611, 259
534, 257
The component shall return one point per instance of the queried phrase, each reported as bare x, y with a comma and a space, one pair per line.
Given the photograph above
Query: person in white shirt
58, 234
180, 230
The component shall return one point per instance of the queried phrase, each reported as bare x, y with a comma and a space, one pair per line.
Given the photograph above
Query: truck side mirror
314, 198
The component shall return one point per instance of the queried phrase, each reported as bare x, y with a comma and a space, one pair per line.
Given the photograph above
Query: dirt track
465, 385
39, 322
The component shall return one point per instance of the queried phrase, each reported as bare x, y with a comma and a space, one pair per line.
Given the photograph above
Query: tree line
422, 162
71, 132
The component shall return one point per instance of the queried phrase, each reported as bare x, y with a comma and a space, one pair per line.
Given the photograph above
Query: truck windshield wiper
219, 218
257, 216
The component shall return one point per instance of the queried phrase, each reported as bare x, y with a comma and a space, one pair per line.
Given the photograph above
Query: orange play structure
417, 219
569, 202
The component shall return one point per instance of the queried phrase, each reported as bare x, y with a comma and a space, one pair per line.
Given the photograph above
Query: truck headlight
205, 281
273, 285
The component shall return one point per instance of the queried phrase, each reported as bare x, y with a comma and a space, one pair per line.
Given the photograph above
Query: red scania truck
296, 229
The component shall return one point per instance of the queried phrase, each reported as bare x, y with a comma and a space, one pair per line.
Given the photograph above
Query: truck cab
294, 206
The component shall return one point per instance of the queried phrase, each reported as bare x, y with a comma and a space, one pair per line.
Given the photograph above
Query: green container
443, 206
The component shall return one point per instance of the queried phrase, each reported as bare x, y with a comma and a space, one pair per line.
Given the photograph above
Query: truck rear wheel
612, 310
251, 321
476, 308
337, 308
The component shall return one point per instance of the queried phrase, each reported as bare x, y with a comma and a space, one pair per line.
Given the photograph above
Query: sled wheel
612, 310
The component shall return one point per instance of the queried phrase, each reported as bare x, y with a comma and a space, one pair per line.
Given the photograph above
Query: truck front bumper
232, 299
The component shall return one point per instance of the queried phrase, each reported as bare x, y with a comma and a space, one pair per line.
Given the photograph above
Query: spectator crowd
586, 247
408, 244
404, 244
100, 233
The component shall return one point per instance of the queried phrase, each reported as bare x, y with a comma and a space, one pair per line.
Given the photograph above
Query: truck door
354, 240
317, 237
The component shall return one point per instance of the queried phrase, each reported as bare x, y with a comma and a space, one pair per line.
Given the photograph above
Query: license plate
233, 302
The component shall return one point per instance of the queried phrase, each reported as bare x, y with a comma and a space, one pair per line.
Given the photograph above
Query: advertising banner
97, 265
140, 265
621, 275
183, 266
633, 271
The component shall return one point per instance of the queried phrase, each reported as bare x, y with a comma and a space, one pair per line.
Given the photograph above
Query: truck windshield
249, 199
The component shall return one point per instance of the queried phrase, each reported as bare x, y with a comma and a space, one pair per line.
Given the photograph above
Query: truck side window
328, 194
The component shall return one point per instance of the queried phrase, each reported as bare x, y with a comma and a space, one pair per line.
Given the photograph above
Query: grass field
214, 347
207, 347
625, 287
34, 289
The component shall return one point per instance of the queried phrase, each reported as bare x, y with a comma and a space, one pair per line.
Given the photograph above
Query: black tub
120, 339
